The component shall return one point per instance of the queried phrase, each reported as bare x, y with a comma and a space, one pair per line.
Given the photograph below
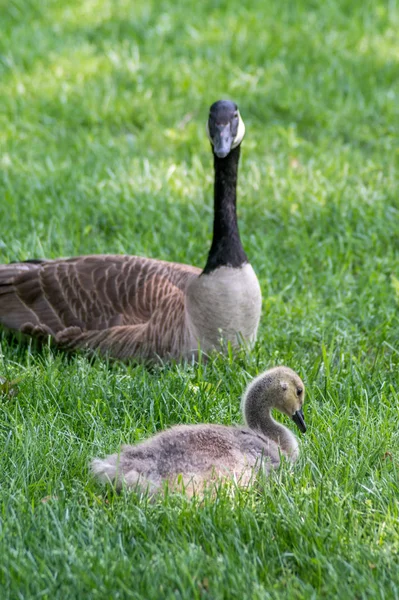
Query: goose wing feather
108, 302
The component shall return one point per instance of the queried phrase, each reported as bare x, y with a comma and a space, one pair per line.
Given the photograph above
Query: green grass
103, 149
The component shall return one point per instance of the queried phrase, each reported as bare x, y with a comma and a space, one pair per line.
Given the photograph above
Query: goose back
124, 305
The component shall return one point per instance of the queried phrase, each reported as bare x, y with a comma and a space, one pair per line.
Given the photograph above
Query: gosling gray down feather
190, 457
135, 307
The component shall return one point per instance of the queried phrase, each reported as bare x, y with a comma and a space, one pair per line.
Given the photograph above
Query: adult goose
136, 307
190, 457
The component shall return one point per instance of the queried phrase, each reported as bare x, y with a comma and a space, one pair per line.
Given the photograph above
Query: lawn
103, 106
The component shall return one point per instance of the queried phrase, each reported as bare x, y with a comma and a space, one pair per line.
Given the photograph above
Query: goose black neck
226, 249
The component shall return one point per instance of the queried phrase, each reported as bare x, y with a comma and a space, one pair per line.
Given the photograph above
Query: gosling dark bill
299, 420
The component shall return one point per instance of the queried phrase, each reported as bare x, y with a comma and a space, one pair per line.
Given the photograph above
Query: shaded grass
102, 110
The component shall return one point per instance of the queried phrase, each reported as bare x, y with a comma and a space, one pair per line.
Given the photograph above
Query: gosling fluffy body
190, 457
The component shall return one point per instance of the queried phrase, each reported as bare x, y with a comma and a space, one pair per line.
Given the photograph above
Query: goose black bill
222, 140
299, 420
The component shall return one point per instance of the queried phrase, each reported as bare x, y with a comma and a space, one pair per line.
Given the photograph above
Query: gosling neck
226, 249
257, 414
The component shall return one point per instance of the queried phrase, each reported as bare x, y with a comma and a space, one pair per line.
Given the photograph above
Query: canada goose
130, 306
191, 456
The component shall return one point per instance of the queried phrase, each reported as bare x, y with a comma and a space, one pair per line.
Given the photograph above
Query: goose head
291, 397
224, 127
280, 388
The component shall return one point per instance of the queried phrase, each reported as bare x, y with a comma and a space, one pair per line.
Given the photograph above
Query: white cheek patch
240, 132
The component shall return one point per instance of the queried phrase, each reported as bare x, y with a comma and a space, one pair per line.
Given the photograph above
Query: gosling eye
299, 391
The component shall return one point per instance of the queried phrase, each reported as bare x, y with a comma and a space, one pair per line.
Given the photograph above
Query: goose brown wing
89, 293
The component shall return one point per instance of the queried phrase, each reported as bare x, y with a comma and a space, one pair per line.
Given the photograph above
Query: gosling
189, 458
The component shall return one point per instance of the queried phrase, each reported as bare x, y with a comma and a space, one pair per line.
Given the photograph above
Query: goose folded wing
89, 292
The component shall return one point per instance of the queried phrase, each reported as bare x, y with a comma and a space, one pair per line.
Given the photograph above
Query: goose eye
299, 391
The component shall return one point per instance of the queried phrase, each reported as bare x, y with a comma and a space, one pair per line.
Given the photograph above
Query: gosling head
292, 396
224, 127
279, 388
